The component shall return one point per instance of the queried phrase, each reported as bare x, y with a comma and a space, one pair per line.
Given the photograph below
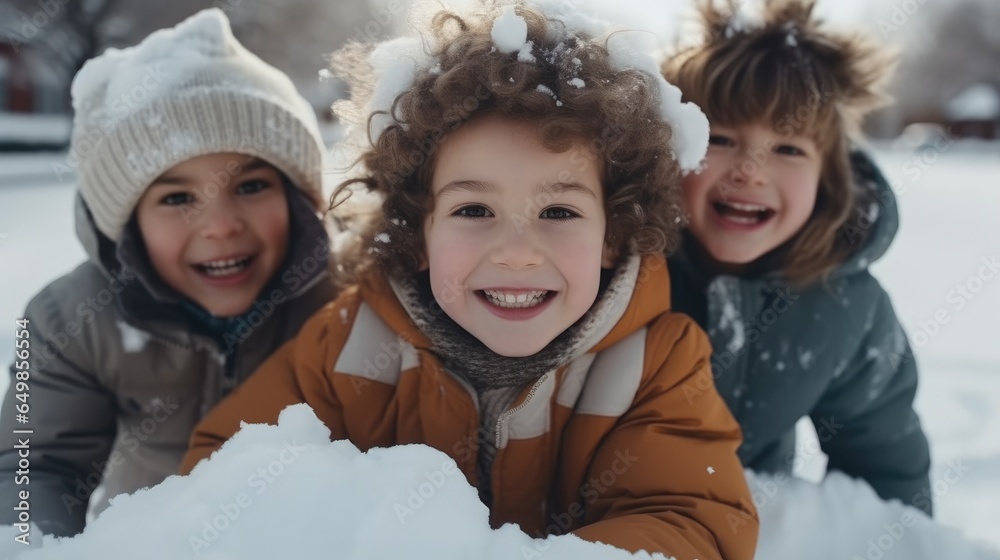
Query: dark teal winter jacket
833, 351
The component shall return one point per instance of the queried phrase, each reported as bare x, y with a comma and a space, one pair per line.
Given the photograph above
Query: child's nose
516, 248
747, 172
221, 220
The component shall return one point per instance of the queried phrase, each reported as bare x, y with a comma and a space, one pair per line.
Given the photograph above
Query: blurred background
949, 77
939, 145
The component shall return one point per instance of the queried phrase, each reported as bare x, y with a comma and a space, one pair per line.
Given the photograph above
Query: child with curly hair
508, 306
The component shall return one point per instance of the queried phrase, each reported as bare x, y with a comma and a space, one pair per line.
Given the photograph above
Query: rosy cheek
691, 195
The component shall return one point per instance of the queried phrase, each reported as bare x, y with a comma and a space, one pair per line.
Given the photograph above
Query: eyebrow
487, 187
251, 166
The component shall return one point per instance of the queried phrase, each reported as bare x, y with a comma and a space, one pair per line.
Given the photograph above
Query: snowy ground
948, 199
29, 129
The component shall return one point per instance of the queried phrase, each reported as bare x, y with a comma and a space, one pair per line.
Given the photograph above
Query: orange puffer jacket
627, 444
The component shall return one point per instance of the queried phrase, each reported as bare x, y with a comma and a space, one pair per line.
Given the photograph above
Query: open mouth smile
742, 213
224, 267
515, 304
515, 300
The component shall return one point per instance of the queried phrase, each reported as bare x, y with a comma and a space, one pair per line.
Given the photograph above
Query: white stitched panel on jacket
614, 378
576, 376
373, 351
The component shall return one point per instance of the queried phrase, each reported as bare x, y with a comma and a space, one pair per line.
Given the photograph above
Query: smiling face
515, 242
216, 229
757, 190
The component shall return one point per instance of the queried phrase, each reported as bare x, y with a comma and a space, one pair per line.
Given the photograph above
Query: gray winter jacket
834, 352
119, 376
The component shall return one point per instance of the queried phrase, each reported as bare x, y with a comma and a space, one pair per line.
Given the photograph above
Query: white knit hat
181, 93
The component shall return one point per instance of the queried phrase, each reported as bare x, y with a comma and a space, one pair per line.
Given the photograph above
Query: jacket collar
638, 293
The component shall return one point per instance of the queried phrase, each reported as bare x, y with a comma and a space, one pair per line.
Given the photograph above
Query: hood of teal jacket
877, 204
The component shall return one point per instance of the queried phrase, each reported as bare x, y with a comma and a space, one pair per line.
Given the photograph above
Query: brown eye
789, 150
177, 199
719, 140
252, 187
473, 211
558, 214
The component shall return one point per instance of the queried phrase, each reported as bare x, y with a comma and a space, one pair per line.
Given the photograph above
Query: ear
608, 256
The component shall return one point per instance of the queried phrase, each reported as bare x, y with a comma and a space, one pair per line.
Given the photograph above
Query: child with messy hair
785, 220
509, 305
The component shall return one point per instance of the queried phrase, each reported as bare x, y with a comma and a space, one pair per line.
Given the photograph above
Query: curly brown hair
616, 115
801, 79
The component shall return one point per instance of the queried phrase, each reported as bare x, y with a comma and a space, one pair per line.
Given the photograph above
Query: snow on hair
522, 63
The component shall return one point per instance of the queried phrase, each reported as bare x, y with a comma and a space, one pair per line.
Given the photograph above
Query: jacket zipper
229, 380
503, 417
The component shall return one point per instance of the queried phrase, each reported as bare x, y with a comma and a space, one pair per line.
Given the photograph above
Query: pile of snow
141, 74
746, 17
510, 31
843, 519
286, 491
396, 63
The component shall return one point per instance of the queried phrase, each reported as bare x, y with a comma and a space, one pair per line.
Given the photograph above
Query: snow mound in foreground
843, 519
286, 491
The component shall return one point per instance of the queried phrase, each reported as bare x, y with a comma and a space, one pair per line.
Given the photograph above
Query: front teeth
225, 267
742, 220
516, 301
744, 207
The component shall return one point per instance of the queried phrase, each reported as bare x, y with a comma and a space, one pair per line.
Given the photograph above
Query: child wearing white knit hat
199, 170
